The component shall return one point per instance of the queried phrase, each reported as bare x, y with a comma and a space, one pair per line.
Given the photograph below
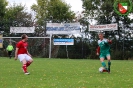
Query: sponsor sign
63, 41
22, 29
63, 28
1, 41
107, 27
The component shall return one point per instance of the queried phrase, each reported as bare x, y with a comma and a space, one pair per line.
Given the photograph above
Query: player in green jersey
104, 51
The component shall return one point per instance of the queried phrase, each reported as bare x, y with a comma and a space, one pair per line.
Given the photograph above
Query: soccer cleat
105, 70
26, 73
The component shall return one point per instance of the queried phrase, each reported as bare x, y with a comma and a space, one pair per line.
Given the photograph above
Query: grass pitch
65, 73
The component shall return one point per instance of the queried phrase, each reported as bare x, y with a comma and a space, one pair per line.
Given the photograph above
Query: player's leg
109, 61
9, 53
102, 57
22, 59
29, 60
102, 62
24, 67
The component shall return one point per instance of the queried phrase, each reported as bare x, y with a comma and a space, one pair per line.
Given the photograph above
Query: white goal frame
36, 38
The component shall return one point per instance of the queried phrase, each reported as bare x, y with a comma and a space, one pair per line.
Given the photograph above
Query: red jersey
22, 47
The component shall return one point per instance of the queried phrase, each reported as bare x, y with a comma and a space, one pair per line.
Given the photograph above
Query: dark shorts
9, 53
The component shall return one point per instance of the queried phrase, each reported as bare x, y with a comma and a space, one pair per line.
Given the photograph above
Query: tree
16, 16
3, 4
103, 12
52, 10
56, 11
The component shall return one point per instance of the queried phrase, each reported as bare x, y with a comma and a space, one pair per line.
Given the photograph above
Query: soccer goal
38, 46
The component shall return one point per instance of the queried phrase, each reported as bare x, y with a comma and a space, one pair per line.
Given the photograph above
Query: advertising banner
106, 27
63, 28
63, 41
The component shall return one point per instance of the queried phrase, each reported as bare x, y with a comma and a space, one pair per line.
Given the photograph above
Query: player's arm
28, 53
109, 41
16, 51
98, 50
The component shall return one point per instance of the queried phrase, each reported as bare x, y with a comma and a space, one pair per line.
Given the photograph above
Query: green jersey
104, 46
9, 48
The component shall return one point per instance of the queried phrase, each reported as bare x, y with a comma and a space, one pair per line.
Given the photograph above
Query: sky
74, 6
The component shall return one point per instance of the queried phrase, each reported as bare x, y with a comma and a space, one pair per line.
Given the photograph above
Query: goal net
37, 46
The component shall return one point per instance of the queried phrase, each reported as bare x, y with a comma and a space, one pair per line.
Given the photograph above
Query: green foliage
60, 11
54, 10
3, 4
103, 12
117, 55
16, 16
66, 73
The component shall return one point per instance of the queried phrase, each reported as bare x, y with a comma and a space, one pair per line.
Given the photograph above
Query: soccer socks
109, 64
28, 63
103, 64
24, 68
